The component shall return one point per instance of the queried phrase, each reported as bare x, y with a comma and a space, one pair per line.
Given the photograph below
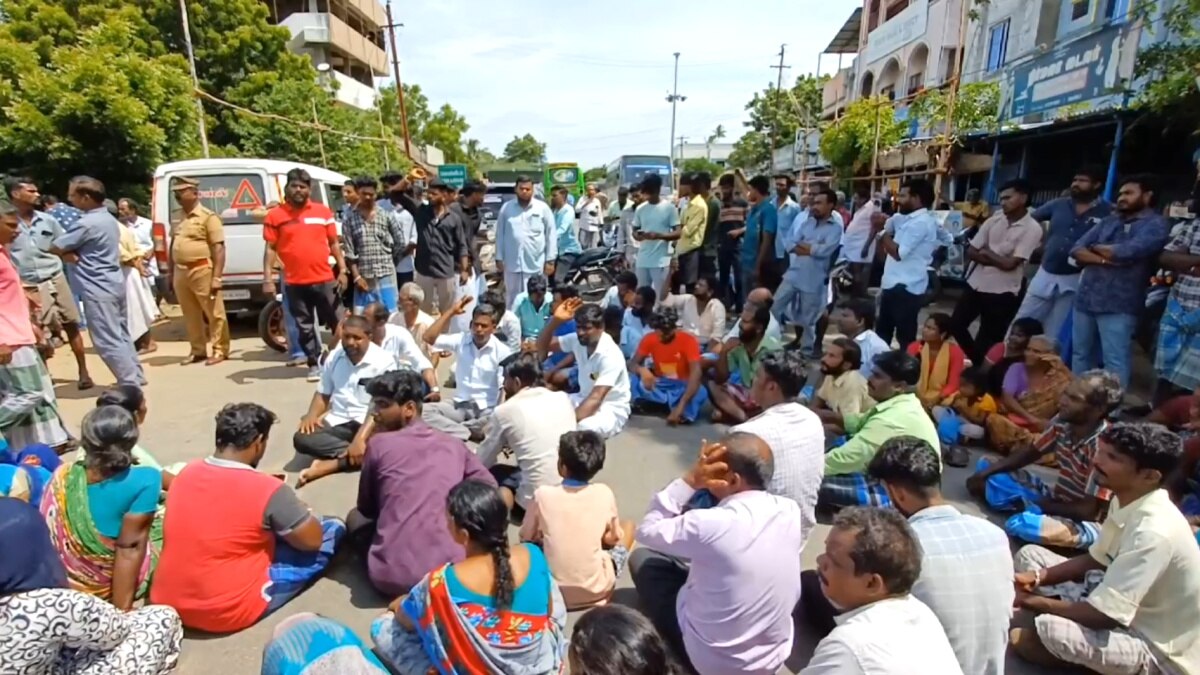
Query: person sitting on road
239, 543
701, 312
133, 399
399, 343
856, 320
408, 470
1068, 514
602, 403
498, 610
971, 403
508, 330
941, 360
759, 297
527, 425
476, 371
897, 412
310, 644
871, 563
673, 376
620, 294
562, 373
843, 389
730, 609
617, 640
1029, 396
1131, 604
335, 429
578, 526
1178, 413
411, 317
730, 385
637, 320
533, 307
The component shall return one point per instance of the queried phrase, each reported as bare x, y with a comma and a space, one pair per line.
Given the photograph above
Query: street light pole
673, 98
187, 41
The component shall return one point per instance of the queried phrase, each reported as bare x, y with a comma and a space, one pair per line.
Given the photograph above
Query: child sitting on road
577, 525
971, 403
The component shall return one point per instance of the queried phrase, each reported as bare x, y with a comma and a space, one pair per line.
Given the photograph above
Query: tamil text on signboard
897, 31
453, 174
1079, 71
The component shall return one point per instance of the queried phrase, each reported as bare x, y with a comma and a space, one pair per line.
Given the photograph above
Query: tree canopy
698, 164
850, 142
596, 173
1167, 70
524, 149
776, 114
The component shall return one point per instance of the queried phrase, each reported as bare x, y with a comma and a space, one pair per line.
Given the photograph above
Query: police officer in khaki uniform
197, 260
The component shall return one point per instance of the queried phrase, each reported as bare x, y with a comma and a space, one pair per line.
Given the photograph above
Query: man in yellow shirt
1131, 604
693, 222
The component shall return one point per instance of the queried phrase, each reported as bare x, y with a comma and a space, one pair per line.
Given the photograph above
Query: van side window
336, 200
317, 193
233, 197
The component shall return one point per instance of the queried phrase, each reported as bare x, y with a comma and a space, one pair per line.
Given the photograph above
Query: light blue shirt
96, 239
30, 251
408, 231
917, 236
660, 218
787, 233
525, 236
786, 215
810, 273
870, 345
533, 319
632, 332
564, 226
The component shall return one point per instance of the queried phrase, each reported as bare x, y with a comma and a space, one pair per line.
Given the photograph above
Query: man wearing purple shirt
728, 610
407, 471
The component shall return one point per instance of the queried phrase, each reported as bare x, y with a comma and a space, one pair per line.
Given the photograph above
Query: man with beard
673, 376
1118, 256
335, 429
373, 239
636, 324
466, 207
442, 255
1131, 604
804, 291
301, 233
732, 225
403, 486
1051, 292
908, 241
701, 313
1068, 514
602, 404
526, 241
843, 389
738, 365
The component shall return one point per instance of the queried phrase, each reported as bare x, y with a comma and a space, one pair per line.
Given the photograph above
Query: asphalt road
184, 399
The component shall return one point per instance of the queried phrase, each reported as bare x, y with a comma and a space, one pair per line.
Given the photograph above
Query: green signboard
453, 174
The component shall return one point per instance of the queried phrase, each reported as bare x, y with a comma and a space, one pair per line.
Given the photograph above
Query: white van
238, 190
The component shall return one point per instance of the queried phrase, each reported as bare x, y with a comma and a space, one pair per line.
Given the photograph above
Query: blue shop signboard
1081, 70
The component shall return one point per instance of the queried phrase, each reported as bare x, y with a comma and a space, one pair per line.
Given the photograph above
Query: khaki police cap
183, 183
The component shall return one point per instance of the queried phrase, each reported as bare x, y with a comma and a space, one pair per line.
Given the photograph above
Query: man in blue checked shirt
804, 289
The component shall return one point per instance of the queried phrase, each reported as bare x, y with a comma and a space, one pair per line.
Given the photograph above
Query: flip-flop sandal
84, 385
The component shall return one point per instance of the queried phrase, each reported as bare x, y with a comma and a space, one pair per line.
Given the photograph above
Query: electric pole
391, 28
674, 98
779, 87
682, 140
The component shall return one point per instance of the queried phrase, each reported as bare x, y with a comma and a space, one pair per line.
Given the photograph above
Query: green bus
566, 174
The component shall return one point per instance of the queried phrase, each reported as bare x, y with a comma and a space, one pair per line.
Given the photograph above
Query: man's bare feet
215, 359
85, 383
318, 469
193, 359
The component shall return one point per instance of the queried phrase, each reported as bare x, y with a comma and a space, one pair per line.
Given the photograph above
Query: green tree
775, 115
1167, 71
698, 164
524, 149
96, 106
751, 152
849, 142
445, 131
715, 136
594, 174
976, 108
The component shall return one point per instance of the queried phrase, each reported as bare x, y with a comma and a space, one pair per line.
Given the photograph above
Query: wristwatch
435, 390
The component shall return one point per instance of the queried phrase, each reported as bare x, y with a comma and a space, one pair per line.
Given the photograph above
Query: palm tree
715, 136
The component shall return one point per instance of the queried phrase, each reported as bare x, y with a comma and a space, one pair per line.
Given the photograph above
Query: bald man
759, 297
738, 617
400, 344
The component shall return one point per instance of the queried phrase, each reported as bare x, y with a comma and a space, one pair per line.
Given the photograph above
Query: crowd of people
857, 428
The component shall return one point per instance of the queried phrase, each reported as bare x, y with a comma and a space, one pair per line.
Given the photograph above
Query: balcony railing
354, 93
325, 29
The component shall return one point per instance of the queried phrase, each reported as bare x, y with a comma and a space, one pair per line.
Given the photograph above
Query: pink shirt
15, 328
735, 610
569, 523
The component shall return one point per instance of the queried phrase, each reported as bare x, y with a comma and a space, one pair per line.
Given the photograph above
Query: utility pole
191, 55
682, 140
320, 136
779, 87
674, 98
943, 160
391, 28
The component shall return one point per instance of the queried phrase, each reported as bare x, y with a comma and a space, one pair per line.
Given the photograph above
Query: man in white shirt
965, 561
855, 318
621, 293
1131, 604
590, 212
335, 429
636, 323
410, 316
793, 432
701, 313
476, 371
528, 424
602, 404
870, 564
397, 341
406, 247
858, 243
526, 240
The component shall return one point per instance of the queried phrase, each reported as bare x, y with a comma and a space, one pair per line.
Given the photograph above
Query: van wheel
271, 326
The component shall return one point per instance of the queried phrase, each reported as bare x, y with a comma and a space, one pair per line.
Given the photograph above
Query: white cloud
591, 79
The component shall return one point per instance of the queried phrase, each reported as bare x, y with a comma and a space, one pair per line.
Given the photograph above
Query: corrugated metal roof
846, 40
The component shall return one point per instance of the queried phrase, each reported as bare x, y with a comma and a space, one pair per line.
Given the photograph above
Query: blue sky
590, 79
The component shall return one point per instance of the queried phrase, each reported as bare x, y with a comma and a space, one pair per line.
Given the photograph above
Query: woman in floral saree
497, 611
1029, 398
101, 511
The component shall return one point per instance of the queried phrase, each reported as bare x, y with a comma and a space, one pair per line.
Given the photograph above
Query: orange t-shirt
301, 237
673, 359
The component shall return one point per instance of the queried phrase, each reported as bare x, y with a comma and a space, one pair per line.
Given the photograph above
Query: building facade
906, 46
717, 153
346, 35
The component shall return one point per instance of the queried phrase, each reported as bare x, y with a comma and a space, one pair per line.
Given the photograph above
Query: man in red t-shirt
238, 544
303, 235
673, 376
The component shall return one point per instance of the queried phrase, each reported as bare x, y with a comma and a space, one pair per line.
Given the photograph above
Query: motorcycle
593, 272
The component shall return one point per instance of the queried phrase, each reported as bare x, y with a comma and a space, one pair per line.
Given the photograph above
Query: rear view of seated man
238, 544
476, 371
335, 429
673, 376
602, 404
898, 412
399, 343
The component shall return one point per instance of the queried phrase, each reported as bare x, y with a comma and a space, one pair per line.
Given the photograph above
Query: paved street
182, 403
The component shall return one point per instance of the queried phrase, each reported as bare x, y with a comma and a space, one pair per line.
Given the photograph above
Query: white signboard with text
898, 31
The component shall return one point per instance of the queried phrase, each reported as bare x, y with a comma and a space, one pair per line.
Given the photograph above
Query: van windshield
233, 197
